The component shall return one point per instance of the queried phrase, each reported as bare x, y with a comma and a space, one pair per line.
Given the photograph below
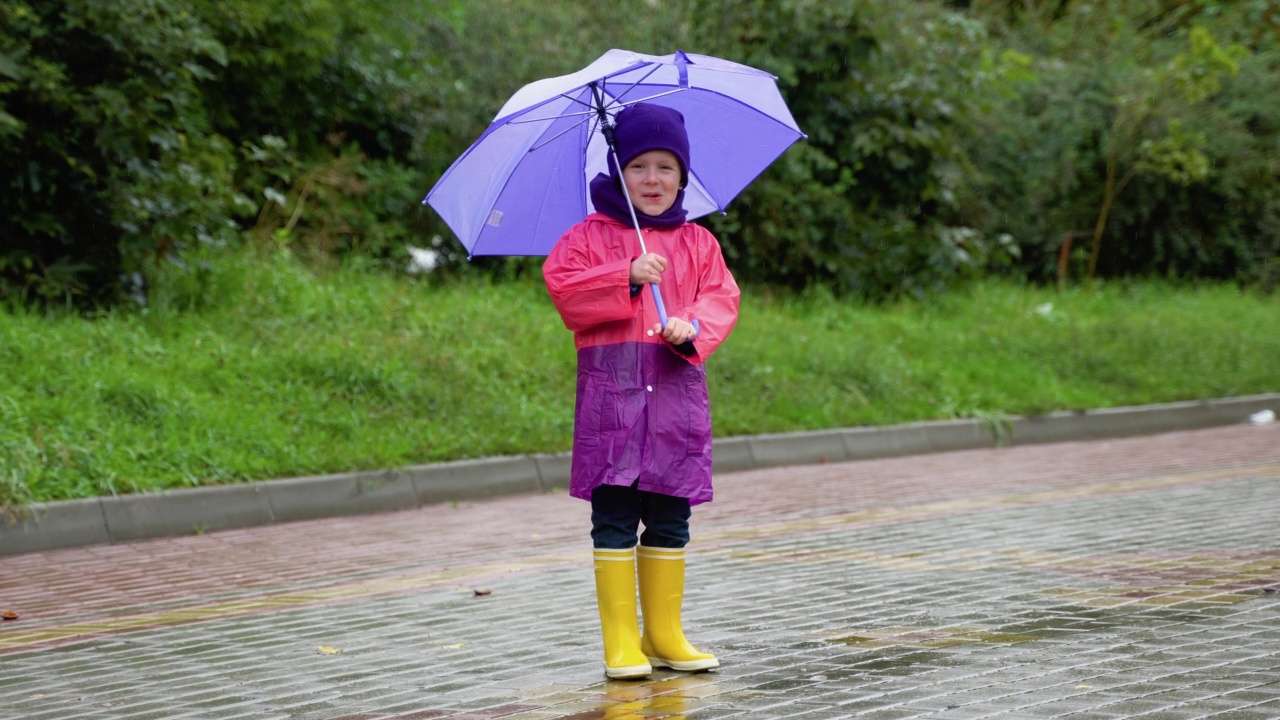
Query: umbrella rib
587, 115
590, 110
651, 97
548, 119
553, 118
558, 135
615, 99
604, 85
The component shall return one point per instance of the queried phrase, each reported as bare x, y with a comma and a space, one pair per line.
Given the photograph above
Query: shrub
110, 140
886, 91
1143, 134
142, 128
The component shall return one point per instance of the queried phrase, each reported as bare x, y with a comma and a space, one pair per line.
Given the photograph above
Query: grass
995, 349
290, 373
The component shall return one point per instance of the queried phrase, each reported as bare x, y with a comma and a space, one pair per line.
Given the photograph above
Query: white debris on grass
422, 260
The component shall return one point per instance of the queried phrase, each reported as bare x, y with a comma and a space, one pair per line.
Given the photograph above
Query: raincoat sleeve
587, 294
715, 303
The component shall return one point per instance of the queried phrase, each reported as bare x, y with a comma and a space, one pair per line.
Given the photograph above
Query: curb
124, 518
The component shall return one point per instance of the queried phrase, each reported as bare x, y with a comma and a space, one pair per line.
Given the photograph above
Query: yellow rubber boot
661, 573
616, 595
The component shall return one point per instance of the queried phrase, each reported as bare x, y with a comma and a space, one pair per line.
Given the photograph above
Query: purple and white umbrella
518, 188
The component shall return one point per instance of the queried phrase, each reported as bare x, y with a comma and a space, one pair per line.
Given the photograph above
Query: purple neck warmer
606, 196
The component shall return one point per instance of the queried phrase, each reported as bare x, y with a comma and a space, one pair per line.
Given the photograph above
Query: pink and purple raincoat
642, 411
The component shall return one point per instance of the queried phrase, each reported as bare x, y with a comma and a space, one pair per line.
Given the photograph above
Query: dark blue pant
616, 514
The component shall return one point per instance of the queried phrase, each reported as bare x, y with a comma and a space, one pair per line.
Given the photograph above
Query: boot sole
631, 672
686, 665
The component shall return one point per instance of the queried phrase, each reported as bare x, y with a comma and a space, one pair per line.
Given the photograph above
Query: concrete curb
79, 523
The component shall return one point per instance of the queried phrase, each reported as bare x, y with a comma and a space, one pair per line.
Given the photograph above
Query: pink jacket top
642, 411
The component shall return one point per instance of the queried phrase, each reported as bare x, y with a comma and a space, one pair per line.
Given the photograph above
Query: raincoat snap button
649, 388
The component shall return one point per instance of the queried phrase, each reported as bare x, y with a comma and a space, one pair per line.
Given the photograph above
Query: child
642, 420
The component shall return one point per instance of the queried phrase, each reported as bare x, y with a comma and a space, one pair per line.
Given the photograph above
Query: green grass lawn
291, 373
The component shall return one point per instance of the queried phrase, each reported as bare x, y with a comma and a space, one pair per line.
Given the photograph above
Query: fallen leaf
1083, 687
8, 615
328, 650
483, 591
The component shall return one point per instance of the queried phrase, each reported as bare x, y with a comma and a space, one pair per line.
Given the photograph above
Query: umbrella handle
657, 301
685, 348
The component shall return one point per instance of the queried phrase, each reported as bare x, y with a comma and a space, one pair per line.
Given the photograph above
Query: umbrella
525, 181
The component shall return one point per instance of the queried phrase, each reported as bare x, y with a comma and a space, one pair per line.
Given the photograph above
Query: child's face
652, 180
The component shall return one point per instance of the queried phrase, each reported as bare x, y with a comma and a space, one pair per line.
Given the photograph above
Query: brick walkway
1120, 579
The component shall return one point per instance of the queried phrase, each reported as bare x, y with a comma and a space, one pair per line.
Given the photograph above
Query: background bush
947, 140
138, 130
1179, 97
251, 174
887, 93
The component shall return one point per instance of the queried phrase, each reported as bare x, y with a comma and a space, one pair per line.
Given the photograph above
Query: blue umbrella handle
685, 348
657, 300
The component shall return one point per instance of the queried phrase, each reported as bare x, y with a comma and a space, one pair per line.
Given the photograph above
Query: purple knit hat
643, 127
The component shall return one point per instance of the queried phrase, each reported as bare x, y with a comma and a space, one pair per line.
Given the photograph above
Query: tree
867, 204
134, 132
1169, 93
1136, 127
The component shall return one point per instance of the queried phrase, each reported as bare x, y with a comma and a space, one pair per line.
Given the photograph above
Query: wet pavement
1110, 579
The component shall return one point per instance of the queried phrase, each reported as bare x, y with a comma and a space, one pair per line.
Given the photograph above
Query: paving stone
1098, 580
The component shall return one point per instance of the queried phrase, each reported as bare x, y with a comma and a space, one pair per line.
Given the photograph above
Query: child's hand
647, 268
677, 332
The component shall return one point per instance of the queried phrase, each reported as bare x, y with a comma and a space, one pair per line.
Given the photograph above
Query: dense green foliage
251, 174
887, 93
944, 144
947, 140
137, 132
1149, 134
292, 373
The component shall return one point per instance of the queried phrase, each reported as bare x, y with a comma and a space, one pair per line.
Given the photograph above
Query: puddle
670, 697
931, 637
898, 665
658, 706
1049, 624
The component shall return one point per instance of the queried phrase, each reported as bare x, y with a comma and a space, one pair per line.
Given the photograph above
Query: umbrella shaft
635, 223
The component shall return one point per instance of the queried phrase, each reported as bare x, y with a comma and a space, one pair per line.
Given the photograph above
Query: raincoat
642, 411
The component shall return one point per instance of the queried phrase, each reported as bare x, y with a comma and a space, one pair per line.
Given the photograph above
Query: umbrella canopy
518, 188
